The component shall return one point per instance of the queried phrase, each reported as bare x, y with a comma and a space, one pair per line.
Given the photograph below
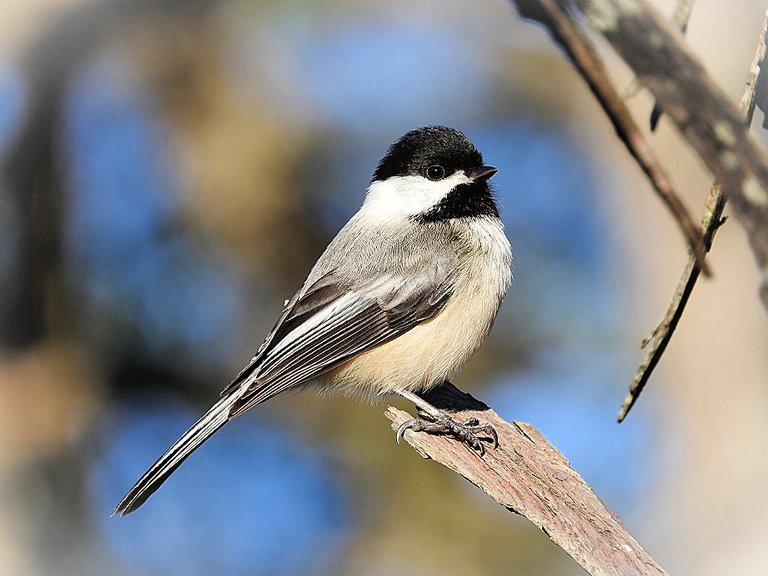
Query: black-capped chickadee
399, 301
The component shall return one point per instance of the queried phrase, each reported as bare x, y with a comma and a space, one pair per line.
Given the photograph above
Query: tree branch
658, 340
527, 475
584, 56
705, 116
656, 343
683, 11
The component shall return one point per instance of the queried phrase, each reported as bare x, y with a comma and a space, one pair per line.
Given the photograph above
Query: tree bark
528, 476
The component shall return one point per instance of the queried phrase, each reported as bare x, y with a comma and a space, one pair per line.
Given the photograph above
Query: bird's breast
439, 348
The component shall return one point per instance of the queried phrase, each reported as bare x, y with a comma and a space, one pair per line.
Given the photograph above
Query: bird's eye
436, 172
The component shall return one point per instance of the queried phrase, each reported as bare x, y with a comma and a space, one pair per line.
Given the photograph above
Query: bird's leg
435, 421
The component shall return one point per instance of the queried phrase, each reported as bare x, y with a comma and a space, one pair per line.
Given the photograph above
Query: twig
683, 10
584, 56
527, 475
657, 342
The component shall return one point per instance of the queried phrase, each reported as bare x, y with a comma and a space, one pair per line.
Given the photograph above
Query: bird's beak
481, 173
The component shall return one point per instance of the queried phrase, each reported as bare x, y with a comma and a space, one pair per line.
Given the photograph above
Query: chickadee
400, 300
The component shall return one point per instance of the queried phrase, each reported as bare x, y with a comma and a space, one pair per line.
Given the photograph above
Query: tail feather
215, 418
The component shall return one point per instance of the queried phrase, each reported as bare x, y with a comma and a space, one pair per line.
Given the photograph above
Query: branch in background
527, 475
683, 11
705, 116
712, 220
582, 53
657, 342
682, 14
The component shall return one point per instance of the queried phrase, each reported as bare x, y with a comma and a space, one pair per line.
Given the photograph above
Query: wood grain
527, 475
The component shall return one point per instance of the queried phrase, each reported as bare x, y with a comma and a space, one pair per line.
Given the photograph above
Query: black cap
419, 149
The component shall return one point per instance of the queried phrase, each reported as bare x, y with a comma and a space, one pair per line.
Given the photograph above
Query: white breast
438, 349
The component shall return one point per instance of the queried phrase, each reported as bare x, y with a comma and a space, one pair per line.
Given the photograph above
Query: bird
398, 303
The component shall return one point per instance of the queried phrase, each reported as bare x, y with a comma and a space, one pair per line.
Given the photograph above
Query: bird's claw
471, 433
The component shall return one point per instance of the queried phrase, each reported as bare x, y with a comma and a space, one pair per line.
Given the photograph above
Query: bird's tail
215, 418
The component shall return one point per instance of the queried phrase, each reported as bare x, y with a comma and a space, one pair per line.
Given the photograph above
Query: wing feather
356, 319
335, 316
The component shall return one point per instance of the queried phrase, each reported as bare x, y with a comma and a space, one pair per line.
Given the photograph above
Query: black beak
481, 173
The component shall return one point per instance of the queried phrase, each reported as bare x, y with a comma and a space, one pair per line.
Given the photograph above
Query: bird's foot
471, 433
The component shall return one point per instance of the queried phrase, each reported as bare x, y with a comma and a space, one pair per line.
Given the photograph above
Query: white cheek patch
409, 195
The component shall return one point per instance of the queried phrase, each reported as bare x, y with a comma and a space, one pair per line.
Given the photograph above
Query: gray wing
335, 319
320, 327
347, 306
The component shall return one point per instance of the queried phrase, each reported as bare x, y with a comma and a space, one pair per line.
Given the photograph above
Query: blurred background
169, 171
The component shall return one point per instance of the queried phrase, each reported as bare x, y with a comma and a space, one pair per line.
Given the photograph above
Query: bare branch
527, 475
582, 53
683, 11
681, 16
657, 342
703, 113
